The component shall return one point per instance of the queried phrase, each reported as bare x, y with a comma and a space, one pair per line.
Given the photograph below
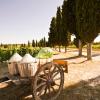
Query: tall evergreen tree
98, 15
68, 13
86, 22
65, 22
59, 27
52, 33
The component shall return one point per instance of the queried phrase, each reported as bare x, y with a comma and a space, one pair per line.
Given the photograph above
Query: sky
23, 20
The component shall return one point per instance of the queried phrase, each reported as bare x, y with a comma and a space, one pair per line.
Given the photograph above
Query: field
95, 46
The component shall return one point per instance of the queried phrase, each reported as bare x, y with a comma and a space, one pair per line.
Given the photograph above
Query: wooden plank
62, 63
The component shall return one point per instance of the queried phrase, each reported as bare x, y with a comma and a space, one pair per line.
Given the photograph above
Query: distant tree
33, 43
29, 44
5, 46
1, 45
22, 45
16, 45
36, 43
44, 42
39, 44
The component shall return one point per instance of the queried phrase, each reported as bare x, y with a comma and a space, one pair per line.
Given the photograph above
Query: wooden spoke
41, 78
57, 84
53, 89
54, 70
45, 90
58, 78
49, 90
56, 73
40, 85
41, 91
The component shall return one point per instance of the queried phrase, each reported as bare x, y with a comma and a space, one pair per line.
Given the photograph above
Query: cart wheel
48, 82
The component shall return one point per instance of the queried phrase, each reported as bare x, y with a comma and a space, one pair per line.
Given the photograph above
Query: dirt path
83, 79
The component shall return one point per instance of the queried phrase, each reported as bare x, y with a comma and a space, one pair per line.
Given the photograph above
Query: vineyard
6, 53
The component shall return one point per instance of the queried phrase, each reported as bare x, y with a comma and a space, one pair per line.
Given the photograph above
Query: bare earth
82, 82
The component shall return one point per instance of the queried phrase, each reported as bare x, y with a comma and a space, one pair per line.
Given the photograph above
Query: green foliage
58, 27
22, 51
76, 42
5, 54
67, 24
59, 34
98, 15
36, 43
68, 16
86, 19
35, 52
29, 44
52, 33
42, 42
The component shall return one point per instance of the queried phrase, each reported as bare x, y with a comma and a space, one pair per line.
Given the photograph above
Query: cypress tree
68, 12
59, 27
98, 15
65, 27
86, 24
52, 33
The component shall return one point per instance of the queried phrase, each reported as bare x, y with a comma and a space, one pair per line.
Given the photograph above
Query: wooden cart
47, 82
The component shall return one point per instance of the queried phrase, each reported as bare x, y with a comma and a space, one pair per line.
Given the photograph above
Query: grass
95, 46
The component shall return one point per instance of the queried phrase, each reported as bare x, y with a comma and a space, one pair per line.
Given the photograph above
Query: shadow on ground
84, 90
75, 57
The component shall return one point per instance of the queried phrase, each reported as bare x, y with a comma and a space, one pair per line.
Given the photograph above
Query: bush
5, 54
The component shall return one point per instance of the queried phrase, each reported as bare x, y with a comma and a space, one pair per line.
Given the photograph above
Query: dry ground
81, 83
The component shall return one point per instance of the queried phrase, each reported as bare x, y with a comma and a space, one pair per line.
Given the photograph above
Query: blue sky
23, 20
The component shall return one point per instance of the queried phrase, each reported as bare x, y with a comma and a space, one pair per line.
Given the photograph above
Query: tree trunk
89, 50
65, 49
59, 49
80, 48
